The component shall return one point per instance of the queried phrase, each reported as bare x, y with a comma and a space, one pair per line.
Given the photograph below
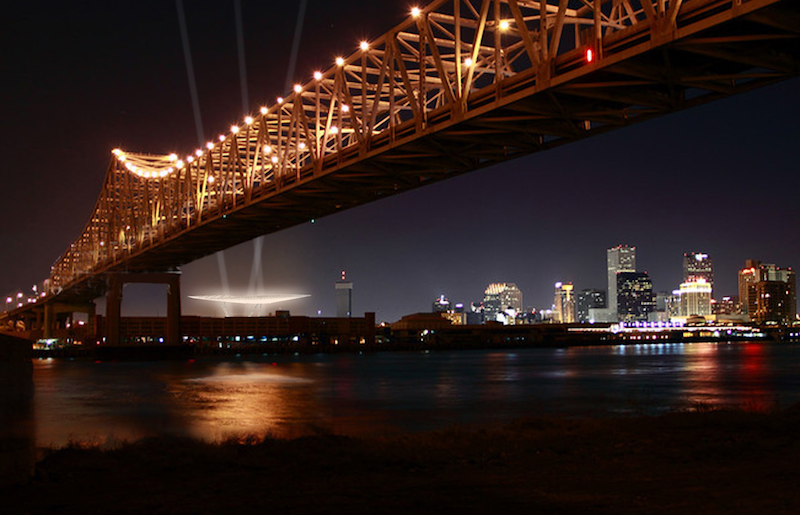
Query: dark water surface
383, 393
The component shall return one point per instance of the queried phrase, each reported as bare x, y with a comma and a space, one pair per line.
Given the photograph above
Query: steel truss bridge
457, 86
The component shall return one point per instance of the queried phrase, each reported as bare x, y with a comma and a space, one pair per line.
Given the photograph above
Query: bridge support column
113, 309
174, 310
114, 303
49, 320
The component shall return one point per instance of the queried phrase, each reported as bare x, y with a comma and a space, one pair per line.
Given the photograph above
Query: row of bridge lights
20, 297
298, 88
248, 120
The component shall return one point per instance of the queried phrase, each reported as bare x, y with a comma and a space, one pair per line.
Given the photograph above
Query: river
391, 392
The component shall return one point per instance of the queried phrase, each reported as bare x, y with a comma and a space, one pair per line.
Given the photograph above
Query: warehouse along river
390, 392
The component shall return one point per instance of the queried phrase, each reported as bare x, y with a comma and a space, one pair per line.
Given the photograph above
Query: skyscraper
748, 277
697, 265
768, 293
440, 305
621, 258
344, 297
564, 304
635, 300
499, 297
695, 297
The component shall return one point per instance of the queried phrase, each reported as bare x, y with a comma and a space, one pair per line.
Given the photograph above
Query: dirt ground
689, 462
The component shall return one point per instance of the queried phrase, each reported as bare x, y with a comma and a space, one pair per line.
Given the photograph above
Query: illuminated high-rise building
440, 305
695, 298
768, 293
697, 265
635, 300
500, 297
777, 301
344, 297
564, 304
748, 277
621, 258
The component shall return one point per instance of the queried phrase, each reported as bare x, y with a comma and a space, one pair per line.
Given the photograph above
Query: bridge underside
519, 117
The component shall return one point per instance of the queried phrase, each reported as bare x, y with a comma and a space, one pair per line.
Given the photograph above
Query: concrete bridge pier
116, 281
53, 309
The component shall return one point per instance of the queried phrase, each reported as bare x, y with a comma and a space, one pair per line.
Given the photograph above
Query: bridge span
457, 86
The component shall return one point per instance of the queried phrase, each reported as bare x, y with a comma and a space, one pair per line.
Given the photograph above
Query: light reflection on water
390, 392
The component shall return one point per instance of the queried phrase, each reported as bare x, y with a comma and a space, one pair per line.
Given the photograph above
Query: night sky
82, 78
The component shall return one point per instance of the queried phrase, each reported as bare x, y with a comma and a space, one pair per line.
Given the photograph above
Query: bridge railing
445, 63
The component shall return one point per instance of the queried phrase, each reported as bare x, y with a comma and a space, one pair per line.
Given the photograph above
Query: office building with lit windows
768, 294
635, 299
500, 297
698, 265
727, 306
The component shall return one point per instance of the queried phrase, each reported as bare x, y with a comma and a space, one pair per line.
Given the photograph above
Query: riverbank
699, 461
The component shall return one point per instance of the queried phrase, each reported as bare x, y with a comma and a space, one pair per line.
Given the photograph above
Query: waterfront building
499, 297
698, 265
587, 300
344, 297
635, 299
564, 304
281, 330
768, 293
621, 258
695, 298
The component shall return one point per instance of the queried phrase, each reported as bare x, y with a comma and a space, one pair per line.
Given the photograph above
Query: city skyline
720, 178
693, 284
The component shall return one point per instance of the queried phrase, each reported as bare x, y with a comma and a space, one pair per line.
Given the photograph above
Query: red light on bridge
589, 55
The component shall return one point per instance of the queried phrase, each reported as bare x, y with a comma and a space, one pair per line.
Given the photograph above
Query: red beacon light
589, 55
